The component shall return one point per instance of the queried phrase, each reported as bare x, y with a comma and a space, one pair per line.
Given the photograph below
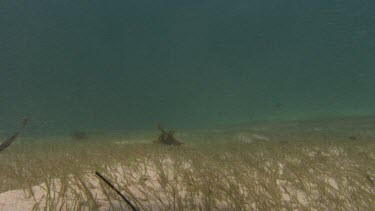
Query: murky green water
126, 65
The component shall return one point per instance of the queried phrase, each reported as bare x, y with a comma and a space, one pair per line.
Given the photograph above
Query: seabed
326, 164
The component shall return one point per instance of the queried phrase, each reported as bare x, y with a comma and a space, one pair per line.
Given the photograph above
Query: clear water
267, 96
126, 65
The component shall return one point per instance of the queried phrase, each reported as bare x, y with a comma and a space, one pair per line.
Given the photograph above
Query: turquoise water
126, 65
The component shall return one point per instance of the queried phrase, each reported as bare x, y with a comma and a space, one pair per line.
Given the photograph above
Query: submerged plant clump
226, 176
167, 137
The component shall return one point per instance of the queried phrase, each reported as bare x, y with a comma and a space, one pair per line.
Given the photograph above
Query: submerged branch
10, 140
117, 191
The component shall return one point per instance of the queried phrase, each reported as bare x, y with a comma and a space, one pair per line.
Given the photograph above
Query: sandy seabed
319, 168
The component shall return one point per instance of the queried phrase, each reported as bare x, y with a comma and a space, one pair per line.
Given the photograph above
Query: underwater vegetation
167, 137
245, 172
224, 176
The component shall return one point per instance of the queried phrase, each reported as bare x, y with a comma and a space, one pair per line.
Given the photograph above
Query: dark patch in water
79, 135
353, 138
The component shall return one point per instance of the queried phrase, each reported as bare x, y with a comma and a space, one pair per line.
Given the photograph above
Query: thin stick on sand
117, 191
10, 140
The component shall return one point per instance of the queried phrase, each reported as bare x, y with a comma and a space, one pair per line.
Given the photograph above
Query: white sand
16, 200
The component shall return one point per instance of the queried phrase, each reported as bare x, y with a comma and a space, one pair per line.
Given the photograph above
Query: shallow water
273, 101
98, 66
